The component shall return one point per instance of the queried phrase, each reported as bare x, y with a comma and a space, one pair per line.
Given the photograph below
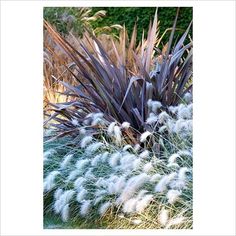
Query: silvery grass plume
165, 180
152, 119
85, 141
49, 182
173, 195
117, 134
104, 207
110, 129
94, 147
66, 161
143, 203
163, 216
144, 154
144, 136
65, 213
85, 207
175, 221
125, 125
154, 105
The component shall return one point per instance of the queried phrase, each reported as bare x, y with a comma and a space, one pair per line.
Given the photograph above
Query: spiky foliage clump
106, 85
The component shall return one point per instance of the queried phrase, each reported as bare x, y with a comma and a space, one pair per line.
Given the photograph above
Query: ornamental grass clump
111, 180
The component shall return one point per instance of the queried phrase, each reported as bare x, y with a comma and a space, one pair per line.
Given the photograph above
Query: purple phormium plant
107, 86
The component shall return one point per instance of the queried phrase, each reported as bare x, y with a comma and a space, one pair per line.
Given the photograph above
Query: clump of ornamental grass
105, 84
109, 180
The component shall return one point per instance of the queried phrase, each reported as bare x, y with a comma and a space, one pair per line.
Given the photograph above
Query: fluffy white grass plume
65, 213
154, 105
104, 156
96, 160
130, 205
73, 174
67, 196
85, 207
137, 147
126, 147
80, 164
125, 125
162, 129
98, 199
100, 192
173, 157
163, 117
136, 163
144, 154
175, 221
120, 184
110, 128
49, 182
79, 181
144, 136
58, 193
173, 109
136, 222
143, 203
81, 195
114, 159
163, 216
165, 180
155, 178
132, 185
151, 119
66, 161
49, 153
104, 207
182, 173
82, 131
94, 147
185, 153
173, 195
184, 113
85, 141
89, 174
188, 97
101, 182
148, 167
117, 133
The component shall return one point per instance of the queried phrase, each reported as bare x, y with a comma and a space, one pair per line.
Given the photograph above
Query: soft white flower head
175, 221
188, 97
49, 153
82, 131
125, 125
144, 154
162, 129
165, 180
143, 203
67, 196
73, 174
173, 157
110, 128
155, 178
104, 207
65, 213
154, 105
85, 207
80, 164
173, 195
144, 136
96, 160
182, 173
163, 217
184, 113
137, 147
81, 195
85, 141
94, 147
132, 185
148, 167
136, 222
49, 182
163, 117
185, 153
130, 205
66, 161
151, 119
126, 147
58, 193
104, 156
79, 182
117, 134
114, 159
